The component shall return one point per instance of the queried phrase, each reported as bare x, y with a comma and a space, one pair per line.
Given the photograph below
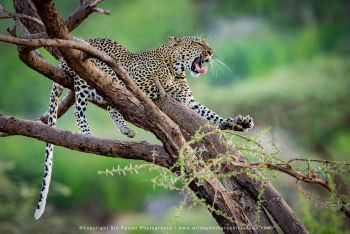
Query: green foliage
16, 214
309, 99
313, 218
288, 12
255, 53
142, 24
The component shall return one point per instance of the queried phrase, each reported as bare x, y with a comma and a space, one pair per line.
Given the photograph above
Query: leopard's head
190, 53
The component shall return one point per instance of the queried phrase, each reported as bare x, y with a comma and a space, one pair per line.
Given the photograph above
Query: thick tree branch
75, 141
274, 203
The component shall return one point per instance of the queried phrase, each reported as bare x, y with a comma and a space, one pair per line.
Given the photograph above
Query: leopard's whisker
219, 60
215, 67
212, 67
219, 65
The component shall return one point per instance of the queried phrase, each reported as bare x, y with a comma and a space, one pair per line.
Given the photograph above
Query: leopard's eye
200, 43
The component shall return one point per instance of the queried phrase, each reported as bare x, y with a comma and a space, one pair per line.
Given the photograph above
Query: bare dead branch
77, 17
75, 141
7, 15
81, 13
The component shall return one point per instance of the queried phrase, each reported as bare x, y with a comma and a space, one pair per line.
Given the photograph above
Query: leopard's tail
56, 92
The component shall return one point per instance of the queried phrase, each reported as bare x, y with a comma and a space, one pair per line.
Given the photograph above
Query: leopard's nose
208, 56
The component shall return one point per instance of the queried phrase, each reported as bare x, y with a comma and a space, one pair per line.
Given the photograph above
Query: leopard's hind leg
120, 122
116, 117
82, 92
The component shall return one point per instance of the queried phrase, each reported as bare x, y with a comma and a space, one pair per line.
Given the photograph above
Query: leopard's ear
170, 38
174, 40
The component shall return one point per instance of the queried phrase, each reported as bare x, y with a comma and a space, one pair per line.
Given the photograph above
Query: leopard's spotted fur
168, 64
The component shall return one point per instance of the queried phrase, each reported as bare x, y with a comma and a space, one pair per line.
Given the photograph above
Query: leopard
166, 64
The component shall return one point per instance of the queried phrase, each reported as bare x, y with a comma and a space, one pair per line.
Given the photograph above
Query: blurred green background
286, 63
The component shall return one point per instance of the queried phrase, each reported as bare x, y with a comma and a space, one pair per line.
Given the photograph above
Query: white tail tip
38, 213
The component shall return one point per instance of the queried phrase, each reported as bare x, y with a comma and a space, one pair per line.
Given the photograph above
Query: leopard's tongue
201, 70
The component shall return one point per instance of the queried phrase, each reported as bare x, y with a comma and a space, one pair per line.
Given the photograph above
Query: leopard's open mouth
196, 67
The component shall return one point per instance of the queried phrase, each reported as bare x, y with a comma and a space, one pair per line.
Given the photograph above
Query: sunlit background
286, 63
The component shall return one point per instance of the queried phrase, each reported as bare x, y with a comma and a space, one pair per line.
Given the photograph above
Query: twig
317, 160
5, 15
101, 11
82, 12
285, 168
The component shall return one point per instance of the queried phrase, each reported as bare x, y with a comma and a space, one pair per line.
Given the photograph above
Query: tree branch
79, 142
81, 13
5, 15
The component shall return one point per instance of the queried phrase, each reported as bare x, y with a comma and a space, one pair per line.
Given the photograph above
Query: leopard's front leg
183, 93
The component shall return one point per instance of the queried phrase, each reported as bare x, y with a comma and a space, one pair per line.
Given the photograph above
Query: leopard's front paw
239, 123
128, 132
